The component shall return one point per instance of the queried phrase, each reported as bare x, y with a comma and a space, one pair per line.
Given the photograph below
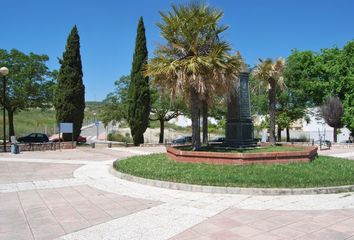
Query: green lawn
252, 150
324, 171
34, 120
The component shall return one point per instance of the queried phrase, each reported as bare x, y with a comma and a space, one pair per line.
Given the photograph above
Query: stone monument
239, 126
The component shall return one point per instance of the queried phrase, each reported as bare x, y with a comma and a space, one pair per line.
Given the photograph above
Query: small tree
139, 92
271, 74
194, 63
115, 104
70, 94
332, 112
163, 109
29, 83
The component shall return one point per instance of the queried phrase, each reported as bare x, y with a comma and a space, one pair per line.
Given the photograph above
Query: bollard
109, 145
93, 145
15, 149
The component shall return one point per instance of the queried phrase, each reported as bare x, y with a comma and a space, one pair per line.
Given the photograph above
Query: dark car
34, 138
217, 140
81, 139
326, 143
182, 140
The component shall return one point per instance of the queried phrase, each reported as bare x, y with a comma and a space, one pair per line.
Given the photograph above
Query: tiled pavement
81, 200
14, 172
50, 213
269, 224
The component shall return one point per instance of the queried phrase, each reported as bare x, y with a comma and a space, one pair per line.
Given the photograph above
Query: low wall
46, 146
306, 155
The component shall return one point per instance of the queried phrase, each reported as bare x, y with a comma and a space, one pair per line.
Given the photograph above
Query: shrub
117, 137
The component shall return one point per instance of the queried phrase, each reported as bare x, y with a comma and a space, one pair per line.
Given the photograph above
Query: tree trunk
335, 134
287, 134
271, 96
279, 134
11, 123
195, 119
162, 129
205, 121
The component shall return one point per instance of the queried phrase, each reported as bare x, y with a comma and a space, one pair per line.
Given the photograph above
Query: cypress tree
138, 92
70, 94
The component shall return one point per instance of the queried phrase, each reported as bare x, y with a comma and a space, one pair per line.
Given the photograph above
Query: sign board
97, 123
66, 127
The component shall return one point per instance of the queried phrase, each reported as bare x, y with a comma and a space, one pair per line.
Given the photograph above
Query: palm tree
270, 73
194, 63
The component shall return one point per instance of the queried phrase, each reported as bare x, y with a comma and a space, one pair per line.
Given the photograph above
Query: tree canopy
29, 83
270, 74
314, 77
194, 63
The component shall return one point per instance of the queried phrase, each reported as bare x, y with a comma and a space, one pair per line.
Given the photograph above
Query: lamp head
4, 71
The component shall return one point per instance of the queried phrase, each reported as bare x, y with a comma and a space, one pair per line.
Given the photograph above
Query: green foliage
70, 94
29, 83
270, 73
164, 108
323, 171
347, 83
138, 91
117, 137
194, 63
302, 73
316, 76
115, 106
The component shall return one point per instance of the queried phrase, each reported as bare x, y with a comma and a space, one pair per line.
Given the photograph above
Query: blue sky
257, 28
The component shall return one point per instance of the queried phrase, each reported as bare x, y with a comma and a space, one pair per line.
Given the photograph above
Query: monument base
239, 135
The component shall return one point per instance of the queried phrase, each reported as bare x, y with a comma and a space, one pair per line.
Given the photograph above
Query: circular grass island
322, 172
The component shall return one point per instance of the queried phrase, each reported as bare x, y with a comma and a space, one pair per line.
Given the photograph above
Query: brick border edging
306, 155
231, 190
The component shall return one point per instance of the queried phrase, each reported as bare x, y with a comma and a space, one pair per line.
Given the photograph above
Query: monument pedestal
239, 126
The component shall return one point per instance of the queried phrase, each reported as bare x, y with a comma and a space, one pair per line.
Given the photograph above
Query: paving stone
59, 202
13, 172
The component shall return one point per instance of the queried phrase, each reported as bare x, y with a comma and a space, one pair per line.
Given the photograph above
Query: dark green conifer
138, 92
70, 93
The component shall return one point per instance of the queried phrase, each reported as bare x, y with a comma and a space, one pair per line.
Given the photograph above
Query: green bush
117, 137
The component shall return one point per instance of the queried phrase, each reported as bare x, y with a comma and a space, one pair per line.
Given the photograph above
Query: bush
117, 137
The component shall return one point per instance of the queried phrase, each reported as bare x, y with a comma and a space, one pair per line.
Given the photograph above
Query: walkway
72, 195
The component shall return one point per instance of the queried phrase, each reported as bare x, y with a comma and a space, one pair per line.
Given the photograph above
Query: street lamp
96, 124
3, 72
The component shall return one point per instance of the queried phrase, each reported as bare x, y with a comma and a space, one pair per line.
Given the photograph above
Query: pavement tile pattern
71, 195
15, 172
50, 213
243, 224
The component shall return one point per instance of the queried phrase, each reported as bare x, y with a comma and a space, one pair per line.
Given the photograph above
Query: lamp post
3, 72
96, 124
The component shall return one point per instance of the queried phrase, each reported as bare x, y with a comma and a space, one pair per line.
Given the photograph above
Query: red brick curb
307, 155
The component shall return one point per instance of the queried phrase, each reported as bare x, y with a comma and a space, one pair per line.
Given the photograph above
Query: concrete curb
232, 190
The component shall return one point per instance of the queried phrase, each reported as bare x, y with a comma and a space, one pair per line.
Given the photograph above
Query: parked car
182, 140
326, 143
217, 140
55, 138
81, 139
34, 138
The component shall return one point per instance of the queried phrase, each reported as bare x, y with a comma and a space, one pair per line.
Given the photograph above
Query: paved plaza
71, 194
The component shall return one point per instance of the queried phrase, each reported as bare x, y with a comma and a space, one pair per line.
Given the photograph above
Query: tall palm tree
194, 63
270, 73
